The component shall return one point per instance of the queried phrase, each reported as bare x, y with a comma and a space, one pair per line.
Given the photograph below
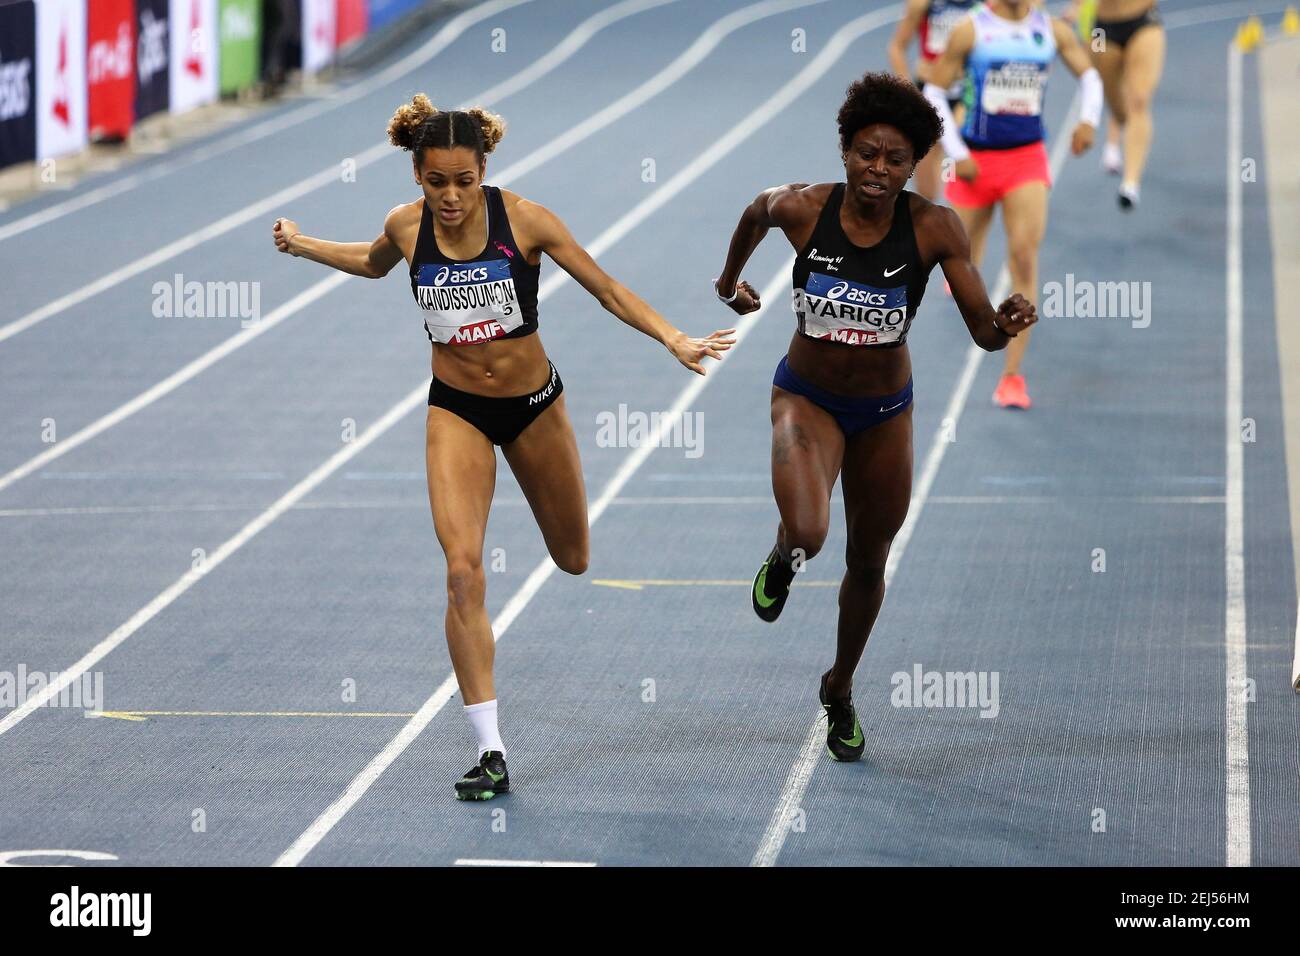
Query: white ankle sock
483, 718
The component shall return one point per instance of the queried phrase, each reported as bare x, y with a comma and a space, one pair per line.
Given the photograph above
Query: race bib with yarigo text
850, 312
468, 302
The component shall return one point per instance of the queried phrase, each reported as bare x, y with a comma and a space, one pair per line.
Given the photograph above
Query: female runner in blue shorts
842, 395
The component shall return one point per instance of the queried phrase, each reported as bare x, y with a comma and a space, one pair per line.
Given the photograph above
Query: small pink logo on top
504, 249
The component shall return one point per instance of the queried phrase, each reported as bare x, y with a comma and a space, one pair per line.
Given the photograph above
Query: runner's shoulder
797, 203
404, 218
937, 227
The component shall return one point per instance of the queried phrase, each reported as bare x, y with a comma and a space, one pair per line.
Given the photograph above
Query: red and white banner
318, 32
60, 77
194, 42
110, 67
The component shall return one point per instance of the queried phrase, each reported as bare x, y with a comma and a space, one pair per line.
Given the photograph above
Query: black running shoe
844, 740
771, 587
486, 780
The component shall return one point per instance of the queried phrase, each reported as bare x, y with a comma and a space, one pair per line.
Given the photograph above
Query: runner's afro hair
885, 98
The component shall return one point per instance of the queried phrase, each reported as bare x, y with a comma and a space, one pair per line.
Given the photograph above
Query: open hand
691, 352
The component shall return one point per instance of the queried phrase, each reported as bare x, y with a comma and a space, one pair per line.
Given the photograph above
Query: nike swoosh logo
896, 271
759, 595
892, 407
856, 739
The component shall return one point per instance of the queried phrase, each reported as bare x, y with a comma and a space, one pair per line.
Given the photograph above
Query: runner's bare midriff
500, 369
849, 370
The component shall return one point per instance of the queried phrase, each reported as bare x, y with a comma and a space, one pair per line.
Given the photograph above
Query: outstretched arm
553, 237
991, 329
370, 260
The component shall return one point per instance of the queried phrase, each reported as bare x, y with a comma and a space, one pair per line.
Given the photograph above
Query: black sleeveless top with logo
865, 297
466, 302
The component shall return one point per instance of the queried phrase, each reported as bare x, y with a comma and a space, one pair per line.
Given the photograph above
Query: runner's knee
466, 584
571, 559
804, 538
1137, 102
1022, 256
866, 568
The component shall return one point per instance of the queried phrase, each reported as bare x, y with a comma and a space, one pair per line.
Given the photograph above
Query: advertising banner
382, 12
110, 67
241, 44
60, 77
194, 42
318, 30
349, 22
152, 54
17, 83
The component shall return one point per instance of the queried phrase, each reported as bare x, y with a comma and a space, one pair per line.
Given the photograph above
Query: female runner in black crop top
474, 253
842, 396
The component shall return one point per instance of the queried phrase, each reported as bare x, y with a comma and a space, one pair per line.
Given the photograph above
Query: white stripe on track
1236, 740
172, 382
335, 812
528, 863
796, 784
269, 127
665, 78
554, 58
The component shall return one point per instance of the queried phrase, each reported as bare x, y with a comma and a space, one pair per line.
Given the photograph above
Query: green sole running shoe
768, 595
488, 779
844, 740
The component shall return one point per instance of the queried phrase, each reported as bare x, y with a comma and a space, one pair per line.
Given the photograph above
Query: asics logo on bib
472, 301
445, 274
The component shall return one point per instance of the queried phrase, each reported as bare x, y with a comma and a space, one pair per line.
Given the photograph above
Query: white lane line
171, 382
1236, 739
276, 124
469, 862
796, 784
191, 577
554, 58
830, 54
335, 812
726, 500
276, 202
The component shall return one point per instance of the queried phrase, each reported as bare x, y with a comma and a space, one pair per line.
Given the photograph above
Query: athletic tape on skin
1090, 97
953, 145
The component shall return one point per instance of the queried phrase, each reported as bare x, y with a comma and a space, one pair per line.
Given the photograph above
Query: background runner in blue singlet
1004, 49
